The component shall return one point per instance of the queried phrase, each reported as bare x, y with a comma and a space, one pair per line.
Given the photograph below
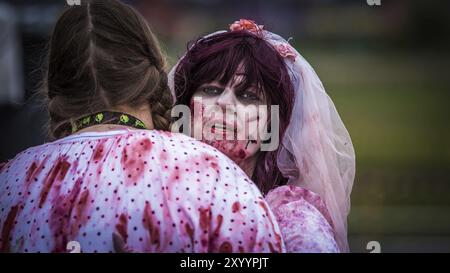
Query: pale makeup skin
243, 151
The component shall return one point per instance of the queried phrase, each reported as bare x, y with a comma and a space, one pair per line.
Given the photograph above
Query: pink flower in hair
249, 25
286, 51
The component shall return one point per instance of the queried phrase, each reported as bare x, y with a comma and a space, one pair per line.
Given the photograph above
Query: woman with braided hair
113, 169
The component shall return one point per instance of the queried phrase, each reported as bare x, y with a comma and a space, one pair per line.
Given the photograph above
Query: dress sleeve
303, 218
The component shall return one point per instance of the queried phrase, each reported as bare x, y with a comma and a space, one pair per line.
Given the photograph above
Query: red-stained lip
215, 129
220, 125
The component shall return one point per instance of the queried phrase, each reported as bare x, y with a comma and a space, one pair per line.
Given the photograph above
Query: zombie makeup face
227, 68
233, 119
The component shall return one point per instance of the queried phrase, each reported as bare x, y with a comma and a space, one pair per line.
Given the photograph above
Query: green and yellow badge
99, 117
124, 118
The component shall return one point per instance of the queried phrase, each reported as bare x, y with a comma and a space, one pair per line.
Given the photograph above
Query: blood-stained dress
161, 192
305, 222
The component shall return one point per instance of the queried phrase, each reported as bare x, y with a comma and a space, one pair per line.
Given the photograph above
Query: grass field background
396, 108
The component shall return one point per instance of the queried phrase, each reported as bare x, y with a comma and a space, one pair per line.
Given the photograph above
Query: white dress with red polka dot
160, 192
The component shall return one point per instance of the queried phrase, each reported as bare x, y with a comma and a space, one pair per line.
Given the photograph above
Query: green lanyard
106, 117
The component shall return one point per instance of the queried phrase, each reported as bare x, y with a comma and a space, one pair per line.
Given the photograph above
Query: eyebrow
214, 84
239, 86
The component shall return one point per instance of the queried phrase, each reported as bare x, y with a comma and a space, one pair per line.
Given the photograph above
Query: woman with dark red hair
308, 177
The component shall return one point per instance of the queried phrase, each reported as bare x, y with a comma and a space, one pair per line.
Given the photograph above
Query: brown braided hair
102, 54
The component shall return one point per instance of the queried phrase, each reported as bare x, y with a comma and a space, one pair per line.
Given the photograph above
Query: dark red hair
217, 58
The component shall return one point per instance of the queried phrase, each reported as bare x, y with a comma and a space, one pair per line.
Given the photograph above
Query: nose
226, 98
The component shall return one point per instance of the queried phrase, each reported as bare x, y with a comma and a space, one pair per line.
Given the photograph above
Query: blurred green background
387, 69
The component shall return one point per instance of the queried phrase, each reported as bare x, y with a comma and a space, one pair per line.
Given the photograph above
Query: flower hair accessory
284, 49
245, 24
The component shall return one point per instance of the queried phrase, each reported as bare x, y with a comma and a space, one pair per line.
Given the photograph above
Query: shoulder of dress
288, 194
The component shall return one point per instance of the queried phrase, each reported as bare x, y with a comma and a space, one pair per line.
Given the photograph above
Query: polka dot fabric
304, 220
160, 192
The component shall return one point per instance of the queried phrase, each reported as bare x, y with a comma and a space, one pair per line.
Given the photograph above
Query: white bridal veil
317, 152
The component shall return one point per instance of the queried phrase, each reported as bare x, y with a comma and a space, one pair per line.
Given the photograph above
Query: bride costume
317, 153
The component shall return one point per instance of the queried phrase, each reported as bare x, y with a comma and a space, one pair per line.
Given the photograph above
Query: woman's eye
210, 90
249, 96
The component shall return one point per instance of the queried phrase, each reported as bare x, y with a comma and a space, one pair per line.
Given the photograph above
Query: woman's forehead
238, 80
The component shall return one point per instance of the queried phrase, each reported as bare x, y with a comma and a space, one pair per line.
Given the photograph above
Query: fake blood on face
234, 149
